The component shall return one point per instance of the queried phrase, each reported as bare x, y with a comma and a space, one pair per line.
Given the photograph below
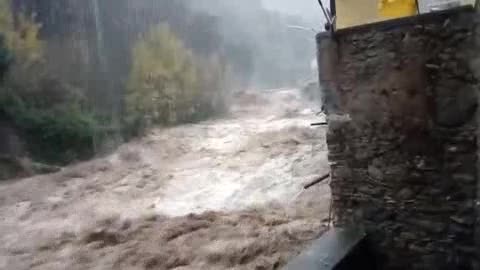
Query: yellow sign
397, 8
357, 12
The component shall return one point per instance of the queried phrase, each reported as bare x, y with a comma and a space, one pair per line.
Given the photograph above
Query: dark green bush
58, 135
5, 58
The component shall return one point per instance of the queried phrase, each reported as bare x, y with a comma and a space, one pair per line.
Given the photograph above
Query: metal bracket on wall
330, 25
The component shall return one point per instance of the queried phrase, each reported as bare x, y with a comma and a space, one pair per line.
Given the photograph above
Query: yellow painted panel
358, 12
397, 8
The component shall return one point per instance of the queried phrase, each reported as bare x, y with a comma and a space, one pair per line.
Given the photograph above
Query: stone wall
401, 99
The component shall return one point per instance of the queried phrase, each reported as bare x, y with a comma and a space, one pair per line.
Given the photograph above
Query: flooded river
220, 194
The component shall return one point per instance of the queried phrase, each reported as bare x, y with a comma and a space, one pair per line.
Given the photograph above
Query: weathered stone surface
424, 223
465, 220
406, 194
404, 129
375, 172
456, 103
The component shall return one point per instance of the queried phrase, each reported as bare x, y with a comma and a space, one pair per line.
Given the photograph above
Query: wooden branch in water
319, 124
316, 181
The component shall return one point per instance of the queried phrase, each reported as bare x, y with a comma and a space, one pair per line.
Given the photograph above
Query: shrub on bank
168, 84
60, 123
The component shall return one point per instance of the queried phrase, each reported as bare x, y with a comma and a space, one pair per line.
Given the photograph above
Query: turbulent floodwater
221, 194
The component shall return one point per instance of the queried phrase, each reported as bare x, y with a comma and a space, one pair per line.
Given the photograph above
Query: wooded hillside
80, 77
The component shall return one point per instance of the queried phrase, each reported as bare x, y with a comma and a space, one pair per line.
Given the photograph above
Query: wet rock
429, 225
375, 172
456, 103
465, 220
343, 172
405, 194
466, 178
408, 236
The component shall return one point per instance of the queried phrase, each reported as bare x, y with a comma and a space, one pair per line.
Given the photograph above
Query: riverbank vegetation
78, 78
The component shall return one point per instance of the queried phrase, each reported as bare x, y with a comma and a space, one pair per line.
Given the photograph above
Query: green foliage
163, 79
167, 83
60, 134
6, 18
58, 96
21, 37
47, 113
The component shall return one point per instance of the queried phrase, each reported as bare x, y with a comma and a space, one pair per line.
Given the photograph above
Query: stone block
456, 103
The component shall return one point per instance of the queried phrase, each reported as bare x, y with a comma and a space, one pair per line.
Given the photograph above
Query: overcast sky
309, 9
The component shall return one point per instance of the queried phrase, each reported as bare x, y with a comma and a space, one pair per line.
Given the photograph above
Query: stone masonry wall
401, 99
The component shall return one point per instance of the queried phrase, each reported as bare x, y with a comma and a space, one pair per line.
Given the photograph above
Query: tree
163, 82
20, 37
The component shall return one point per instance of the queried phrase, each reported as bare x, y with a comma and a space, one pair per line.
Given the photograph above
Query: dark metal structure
337, 249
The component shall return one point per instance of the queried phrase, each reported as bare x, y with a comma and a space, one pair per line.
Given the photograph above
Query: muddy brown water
220, 194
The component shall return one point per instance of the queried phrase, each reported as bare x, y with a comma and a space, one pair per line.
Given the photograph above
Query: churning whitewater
220, 194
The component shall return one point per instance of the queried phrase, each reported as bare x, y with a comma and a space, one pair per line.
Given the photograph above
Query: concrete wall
402, 110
